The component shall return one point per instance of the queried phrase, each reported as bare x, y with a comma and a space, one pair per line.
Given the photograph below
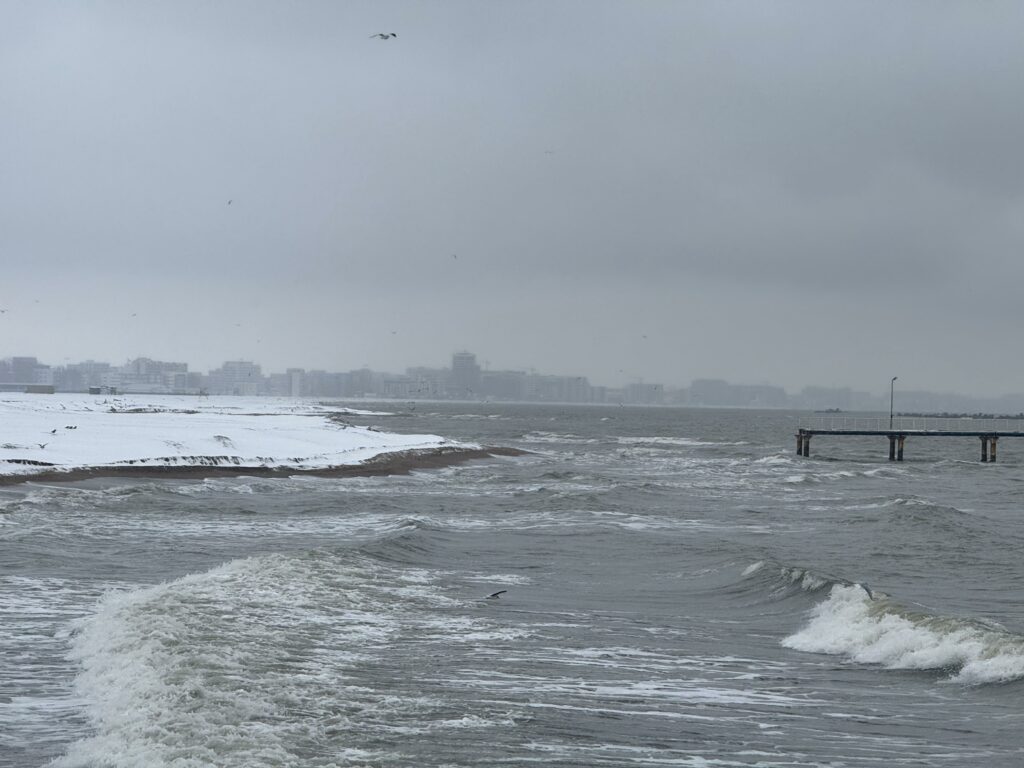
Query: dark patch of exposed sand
395, 463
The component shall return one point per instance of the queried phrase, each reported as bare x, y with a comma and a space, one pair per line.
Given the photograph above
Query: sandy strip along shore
393, 463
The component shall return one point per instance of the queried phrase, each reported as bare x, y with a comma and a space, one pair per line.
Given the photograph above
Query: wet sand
395, 463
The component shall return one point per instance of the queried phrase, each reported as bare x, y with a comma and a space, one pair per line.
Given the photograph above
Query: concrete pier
988, 448
897, 438
803, 443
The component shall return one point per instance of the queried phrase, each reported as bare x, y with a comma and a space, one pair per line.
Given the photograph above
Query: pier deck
898, 430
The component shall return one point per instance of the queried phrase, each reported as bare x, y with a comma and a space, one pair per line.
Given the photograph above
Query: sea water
679, 589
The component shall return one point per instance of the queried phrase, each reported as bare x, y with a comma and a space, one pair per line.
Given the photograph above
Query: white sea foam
883, 471
39, 702
675, 441
162, 681
665, 689
500, 578
474, 416
753, 568
245, 664
554, 437
819, 477
776, 460
849, 623
808, 580
472, 721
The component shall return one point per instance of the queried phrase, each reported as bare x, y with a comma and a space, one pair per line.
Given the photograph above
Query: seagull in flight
385, 35
496, 595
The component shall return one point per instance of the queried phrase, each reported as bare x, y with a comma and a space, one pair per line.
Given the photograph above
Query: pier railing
899, 428
914, 423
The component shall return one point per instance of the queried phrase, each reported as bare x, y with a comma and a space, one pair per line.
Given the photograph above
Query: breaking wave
873, 629
249, 664
868, 626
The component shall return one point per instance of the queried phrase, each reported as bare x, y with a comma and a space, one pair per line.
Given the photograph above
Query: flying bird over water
496, 595
385, 35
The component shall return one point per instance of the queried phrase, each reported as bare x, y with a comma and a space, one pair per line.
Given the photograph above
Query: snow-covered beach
73, 435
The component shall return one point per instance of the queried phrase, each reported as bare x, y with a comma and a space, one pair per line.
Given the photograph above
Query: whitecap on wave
249, 663
877, 631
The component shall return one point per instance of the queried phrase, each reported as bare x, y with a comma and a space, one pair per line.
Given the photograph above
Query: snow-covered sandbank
76, 435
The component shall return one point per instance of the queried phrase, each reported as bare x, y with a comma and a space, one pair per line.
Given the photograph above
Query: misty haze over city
783, 194
464, 379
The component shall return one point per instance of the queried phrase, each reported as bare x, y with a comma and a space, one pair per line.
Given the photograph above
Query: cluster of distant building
464, 379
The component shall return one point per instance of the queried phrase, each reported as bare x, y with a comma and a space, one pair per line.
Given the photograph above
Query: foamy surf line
161, 685
73, 437
875, 630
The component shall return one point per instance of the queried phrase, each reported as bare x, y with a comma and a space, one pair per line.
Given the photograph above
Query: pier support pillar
899, 450
807, 444
984, 448
800, 443
892, 447
992, 450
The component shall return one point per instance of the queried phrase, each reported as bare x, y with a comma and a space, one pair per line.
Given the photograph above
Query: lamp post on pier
892, 389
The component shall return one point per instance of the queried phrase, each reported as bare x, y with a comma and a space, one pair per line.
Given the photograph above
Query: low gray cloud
786, 192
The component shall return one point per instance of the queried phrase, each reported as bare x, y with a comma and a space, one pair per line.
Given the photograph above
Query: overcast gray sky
786, 192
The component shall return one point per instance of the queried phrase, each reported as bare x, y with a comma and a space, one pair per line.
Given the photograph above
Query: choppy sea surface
679, 589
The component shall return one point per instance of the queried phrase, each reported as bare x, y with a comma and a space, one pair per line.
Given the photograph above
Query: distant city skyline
483, 361
466, 379
615, 376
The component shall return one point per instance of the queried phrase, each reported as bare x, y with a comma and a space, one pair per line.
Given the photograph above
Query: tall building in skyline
237, 377
465, 373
